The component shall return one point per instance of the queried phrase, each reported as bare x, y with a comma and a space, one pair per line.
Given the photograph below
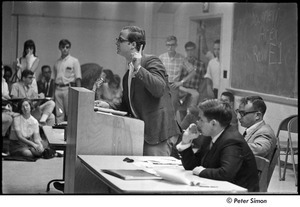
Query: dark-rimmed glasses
65, 46
120, 40
171, 45
244, 113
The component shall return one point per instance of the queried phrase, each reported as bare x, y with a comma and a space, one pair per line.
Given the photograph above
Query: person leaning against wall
173, 62
67, 73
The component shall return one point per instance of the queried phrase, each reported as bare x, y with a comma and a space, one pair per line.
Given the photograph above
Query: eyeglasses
244, 113
66, 46
120, 40
30, 77
170, 45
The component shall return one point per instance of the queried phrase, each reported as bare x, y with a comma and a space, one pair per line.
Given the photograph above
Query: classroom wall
91, 27
158, 22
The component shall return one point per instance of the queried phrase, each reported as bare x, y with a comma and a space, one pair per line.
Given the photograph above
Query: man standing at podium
146, 93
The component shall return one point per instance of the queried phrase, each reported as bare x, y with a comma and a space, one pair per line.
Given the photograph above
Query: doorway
212, 28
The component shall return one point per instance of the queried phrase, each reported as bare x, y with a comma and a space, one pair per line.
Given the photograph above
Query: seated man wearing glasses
259, 135
24, 89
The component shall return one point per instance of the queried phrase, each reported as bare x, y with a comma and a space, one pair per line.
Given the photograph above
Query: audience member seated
46, 84
90, 73
25, 138
24, 89
7, 76
259, 135
228, 97
107, 88
227, 157
7, 113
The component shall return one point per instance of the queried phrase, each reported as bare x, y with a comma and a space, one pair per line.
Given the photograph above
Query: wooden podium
96, 133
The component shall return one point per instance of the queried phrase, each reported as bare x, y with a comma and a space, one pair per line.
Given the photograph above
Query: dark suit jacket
42, 88
151, 100
229, 159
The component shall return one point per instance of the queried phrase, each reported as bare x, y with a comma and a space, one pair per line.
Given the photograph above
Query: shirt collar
251, 128
214, 139
65, 57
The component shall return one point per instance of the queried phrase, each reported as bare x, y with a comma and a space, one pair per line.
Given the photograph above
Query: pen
201, 185
159, 163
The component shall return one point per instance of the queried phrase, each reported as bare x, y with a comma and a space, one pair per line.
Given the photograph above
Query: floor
19, 177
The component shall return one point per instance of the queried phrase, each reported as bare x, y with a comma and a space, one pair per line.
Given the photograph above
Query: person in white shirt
25, 139
213, 72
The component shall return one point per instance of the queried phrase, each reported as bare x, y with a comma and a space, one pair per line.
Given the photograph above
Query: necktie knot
211, 144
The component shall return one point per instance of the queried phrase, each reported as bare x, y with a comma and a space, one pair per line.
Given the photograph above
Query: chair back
293, 128
283, 126
273, 162
282, 141
293, 125
262, 168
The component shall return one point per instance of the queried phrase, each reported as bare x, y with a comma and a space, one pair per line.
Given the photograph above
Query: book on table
132, 174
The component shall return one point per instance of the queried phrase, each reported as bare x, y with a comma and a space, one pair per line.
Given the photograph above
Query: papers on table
132, 174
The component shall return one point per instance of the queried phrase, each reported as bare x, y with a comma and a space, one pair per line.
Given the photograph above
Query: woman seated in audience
25, 139
108, 89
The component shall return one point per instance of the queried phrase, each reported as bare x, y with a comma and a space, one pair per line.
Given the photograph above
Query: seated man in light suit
259, 135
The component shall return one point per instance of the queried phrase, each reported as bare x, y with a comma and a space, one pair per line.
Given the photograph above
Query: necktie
245, 133
47, 88
211, 144
130, 75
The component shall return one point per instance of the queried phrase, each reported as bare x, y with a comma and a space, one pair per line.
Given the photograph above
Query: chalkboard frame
270, 97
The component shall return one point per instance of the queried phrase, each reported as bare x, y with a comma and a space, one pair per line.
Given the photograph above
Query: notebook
132, 174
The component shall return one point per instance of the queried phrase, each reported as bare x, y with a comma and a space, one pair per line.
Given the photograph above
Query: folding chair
262, 167
284, 144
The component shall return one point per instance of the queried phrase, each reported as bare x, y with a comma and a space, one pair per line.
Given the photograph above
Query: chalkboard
264, 48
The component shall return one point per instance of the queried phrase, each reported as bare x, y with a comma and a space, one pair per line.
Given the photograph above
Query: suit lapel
249, 135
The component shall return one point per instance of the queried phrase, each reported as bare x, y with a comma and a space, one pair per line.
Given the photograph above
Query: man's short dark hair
218, 110
190, 44
26, 73
63, 43
229, 95
217, 41
137, 35
257, 102
45, 66
171, 38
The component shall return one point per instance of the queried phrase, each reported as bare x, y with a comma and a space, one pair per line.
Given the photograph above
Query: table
94, 164
56, 138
